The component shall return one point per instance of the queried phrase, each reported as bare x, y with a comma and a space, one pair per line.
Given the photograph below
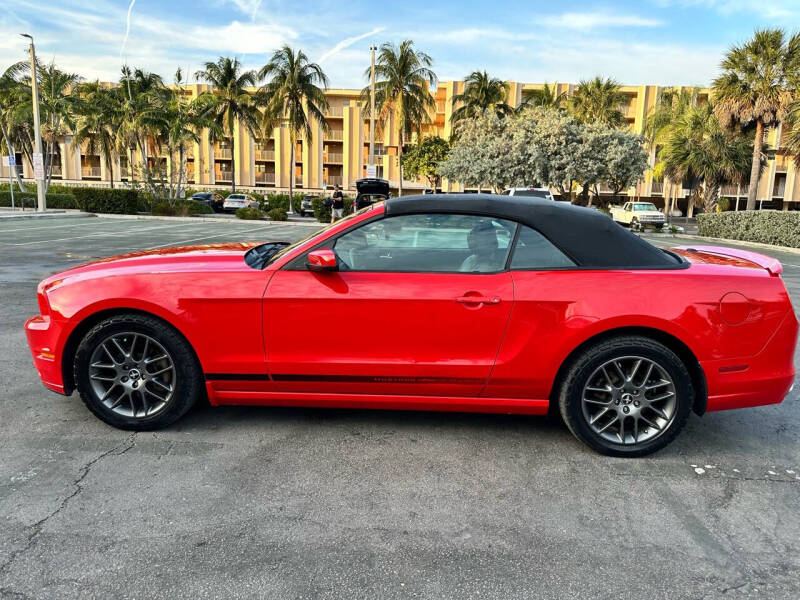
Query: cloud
592, 20
771, 9
127, 28
248, 7
347, 42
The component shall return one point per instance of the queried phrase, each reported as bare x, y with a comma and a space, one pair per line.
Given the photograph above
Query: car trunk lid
734, 257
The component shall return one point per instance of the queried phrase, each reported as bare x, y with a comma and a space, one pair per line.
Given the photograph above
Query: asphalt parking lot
303, 503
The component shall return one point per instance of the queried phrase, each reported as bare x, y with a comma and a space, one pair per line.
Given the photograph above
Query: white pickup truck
638, 215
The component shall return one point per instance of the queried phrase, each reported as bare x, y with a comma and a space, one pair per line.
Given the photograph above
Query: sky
664, 42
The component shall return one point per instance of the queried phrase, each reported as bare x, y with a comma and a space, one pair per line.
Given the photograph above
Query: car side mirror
323, 259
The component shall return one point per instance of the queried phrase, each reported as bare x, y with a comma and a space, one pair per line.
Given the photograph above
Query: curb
723, 241
14, 216
213, 219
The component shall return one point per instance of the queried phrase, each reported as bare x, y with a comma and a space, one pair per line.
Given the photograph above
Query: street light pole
37, 131
372, 108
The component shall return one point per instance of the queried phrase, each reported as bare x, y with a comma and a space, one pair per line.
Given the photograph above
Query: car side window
534, 251
427, 243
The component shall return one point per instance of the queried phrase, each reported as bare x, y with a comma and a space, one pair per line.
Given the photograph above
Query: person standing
337, 208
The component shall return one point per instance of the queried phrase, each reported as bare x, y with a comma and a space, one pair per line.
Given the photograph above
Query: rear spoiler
772, 265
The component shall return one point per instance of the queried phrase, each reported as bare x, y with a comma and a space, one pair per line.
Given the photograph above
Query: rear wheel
628, 396
136, 372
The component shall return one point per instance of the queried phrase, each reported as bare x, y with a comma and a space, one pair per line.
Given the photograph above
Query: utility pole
38, 162
372, 109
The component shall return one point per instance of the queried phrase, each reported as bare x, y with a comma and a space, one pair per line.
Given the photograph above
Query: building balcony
334, 111
731, 189
56, 170
657, 188
90, 171
334, 180
222, 153
265, 177
264, 154
334, 134
333, 157
223, 175
781, 163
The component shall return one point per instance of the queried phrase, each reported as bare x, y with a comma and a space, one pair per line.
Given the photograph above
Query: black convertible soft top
587, 236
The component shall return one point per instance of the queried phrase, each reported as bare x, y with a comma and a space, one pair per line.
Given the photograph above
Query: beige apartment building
340, 155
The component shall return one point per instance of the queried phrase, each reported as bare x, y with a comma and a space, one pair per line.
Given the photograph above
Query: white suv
532, 192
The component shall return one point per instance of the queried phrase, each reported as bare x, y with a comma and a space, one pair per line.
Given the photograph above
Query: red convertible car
446, 302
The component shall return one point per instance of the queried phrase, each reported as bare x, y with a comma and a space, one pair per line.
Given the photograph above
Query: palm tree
698, 147
180, 122
140, 90
402, 90
659, 125
598, 101
99, 116
14, 130
481, 93
295, 93
547, 97
754, 89
230, 101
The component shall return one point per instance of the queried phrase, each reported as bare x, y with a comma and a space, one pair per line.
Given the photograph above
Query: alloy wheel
629, 400
132, 374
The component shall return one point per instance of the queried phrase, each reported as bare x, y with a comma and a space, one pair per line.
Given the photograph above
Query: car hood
205, 257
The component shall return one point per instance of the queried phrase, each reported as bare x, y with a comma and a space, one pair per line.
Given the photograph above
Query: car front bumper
43, 338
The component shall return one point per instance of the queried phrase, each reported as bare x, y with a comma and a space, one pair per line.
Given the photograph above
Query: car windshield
283, 250
533, 193
644, 206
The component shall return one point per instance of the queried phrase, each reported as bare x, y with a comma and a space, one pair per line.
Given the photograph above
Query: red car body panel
416, 340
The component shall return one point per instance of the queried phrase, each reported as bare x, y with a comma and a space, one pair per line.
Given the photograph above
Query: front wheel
628, 396
136, 372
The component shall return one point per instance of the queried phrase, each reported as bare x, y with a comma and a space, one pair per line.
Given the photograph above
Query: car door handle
478, 300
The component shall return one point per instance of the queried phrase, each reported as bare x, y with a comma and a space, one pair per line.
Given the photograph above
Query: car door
400, 316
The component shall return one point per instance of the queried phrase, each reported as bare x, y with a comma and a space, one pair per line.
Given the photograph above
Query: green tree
624, 159
295, 94
402, 91
481, 155
754, 89
15, 126
598, 100
230, 102
481, 93
99, 115
423, 159
698, 147
547, 97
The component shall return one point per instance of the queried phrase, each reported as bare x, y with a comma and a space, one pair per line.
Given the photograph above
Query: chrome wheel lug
124, 379
636, 403
626, 410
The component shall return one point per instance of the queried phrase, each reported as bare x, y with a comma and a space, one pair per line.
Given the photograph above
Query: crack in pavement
37, 527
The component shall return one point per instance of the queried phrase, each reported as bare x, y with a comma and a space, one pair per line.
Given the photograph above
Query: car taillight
44, 305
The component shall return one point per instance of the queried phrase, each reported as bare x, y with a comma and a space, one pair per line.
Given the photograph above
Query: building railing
90, 171
657, 187
334, 134
334, 180
781, 163
56, 170
263, 177
332, 157
222, 153
265, 154
731, 189
334, 111
223, 175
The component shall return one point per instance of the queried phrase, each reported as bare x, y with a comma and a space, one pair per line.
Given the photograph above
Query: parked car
530, 192
370, 190
638, 215
236, 201
306, 206
464, 303
212, 199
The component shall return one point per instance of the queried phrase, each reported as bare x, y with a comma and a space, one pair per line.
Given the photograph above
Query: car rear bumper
43, 336
765, 378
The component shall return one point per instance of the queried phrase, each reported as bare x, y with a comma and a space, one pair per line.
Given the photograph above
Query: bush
323, 213
282, 201
764, 226
277, 214
29, 200
250, 214
182, 207
107, 200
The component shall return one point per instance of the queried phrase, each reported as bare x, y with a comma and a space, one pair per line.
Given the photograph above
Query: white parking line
44, 227
205, 237
104, 234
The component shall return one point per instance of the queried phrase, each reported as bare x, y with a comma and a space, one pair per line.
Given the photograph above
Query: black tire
188, 383
570, 399
635, 226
